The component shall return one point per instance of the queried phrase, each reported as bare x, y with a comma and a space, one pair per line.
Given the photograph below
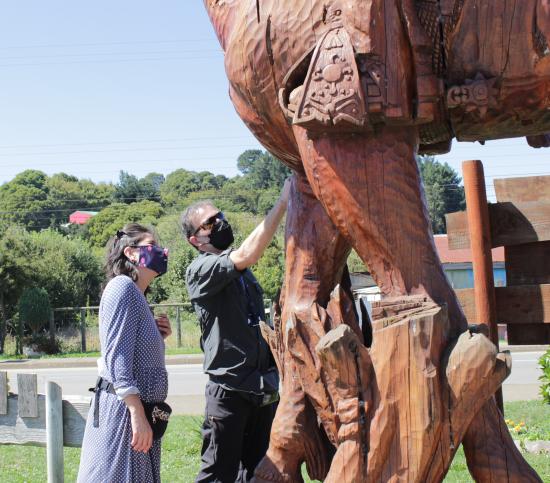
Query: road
186, 381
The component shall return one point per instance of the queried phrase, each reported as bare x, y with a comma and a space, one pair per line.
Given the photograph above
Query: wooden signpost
519, 221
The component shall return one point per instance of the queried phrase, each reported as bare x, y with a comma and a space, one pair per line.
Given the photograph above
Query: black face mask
221, 236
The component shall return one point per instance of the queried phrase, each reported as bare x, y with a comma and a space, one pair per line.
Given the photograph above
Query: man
242, 386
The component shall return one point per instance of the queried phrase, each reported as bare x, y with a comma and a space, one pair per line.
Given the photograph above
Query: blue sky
92, 88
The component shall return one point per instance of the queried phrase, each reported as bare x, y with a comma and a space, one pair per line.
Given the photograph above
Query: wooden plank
32, 432
528, 334
519, 305
28, 395
526, 189
3, 392
75, 413
511, 224
54, 432
28, 431
528, 264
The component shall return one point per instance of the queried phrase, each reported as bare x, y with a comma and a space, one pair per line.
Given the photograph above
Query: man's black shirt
223, 298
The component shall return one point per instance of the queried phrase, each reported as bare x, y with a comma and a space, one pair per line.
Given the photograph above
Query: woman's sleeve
121, 318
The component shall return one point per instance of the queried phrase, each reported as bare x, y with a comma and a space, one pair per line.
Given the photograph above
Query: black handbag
158, 414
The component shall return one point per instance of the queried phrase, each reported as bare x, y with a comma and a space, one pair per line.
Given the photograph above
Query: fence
29, 418
77, 329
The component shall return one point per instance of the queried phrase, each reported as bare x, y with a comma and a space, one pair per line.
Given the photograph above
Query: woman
118, 441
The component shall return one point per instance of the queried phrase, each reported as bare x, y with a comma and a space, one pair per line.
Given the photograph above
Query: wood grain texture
517, 305
528, 264
28, 395
524, 189
510, 223
32, 431
3, 393
54, 432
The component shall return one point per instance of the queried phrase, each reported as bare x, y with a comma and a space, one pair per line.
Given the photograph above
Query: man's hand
163, 323
254, 245
285, 192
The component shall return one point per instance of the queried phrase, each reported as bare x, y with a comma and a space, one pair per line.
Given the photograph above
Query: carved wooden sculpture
347, 92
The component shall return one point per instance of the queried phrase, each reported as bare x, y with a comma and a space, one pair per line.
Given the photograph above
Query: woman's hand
142, 434
164, 325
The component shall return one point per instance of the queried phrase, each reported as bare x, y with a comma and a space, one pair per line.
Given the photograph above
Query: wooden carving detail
476, 95
331, 94
346, 93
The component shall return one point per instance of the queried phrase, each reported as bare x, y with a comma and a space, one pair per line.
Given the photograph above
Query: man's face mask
221, 236
154, 258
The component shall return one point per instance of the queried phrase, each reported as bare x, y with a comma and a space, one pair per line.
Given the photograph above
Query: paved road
186, 381
186, 384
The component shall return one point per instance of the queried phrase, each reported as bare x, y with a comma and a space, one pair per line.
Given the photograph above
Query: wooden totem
347, 93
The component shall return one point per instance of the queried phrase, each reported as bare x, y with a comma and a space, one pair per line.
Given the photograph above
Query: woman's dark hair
117, 263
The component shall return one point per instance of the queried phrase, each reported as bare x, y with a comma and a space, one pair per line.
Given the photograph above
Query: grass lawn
181, 447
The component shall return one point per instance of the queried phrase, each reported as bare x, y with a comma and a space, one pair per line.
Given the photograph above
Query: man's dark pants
235, 436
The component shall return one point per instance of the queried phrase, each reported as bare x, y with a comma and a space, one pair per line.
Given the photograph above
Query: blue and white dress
132, 359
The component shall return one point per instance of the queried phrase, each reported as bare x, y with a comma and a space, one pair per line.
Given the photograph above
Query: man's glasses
210, 222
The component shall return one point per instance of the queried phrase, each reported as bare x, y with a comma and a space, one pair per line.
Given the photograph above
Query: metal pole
54, 432
178, 325
479, 228
83, 329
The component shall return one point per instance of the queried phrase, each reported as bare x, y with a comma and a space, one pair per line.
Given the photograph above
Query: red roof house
81, 217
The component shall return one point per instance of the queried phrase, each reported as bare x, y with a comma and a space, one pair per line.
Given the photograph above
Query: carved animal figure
346, 93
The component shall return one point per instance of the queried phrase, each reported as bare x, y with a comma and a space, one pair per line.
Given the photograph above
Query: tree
443, 191
106, 223
35, 309
67, 194
262, 170
24, 200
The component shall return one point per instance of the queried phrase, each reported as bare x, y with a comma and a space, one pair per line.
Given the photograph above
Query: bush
544, 362
35, 309
43, 343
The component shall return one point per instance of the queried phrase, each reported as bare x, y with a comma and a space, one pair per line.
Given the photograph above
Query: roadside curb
13, 364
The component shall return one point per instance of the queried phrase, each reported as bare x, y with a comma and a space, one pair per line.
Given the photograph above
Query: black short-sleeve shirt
223, 297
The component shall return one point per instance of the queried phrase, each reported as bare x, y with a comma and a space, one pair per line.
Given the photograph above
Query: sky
93, 88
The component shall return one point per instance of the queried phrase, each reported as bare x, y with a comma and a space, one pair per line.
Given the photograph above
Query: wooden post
480, 241
52, 326
28, 395
178, 325
54, 432
3, 393
83, 329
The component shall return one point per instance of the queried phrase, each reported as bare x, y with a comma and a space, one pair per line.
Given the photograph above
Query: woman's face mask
154, 258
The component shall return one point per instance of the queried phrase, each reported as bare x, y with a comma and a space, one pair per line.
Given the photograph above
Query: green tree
67, 194
444, 194
67, 269
24, 200
34, 309
262, 170
180, 184
106, 223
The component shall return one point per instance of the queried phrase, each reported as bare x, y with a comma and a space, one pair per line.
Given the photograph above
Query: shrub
35, 309
544, 362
